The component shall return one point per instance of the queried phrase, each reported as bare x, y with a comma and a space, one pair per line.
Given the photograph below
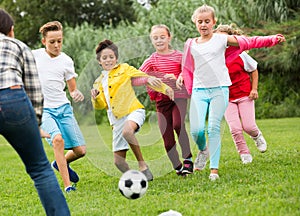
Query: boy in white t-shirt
55, 69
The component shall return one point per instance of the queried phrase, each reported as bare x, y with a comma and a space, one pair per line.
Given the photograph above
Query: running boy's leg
129, 135
58, 148
73, 137
120, 160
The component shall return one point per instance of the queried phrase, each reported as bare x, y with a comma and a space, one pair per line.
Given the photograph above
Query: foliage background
128, 23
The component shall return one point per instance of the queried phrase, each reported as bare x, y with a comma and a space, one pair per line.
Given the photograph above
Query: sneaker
201, 160
260, 142
70, 189
148, 174
213, 176
179, 171
72, 174
246, 158
188, 167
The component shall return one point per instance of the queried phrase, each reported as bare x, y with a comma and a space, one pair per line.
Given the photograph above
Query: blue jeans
19, 127
211, 101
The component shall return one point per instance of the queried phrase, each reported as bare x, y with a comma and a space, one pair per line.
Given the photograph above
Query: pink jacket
232, 52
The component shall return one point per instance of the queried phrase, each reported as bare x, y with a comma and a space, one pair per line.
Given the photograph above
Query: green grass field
270, 185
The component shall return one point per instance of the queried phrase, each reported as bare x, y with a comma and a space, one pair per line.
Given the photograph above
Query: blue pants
211, 101
19, 127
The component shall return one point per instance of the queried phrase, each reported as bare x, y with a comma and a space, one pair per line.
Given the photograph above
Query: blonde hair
231, 29
50, 26
161, 26
203, 9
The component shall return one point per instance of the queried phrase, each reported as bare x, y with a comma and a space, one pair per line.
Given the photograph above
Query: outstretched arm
248, 43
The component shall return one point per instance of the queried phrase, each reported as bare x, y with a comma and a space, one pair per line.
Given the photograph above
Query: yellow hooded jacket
122, 96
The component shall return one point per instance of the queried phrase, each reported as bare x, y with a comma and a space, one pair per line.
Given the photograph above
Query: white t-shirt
53, 74
112, 119
209, 59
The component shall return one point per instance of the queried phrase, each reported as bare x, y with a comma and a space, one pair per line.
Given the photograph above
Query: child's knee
82, 151
197, 134
58, 140
127, 133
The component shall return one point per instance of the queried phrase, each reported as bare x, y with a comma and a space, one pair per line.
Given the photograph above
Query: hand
170, 93
76, 95
280, 38
253, 94
44, 134
94, 93
179, 82
154, 81
170, 76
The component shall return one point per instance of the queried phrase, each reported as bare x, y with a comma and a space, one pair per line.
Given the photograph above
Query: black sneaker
188, 167
72, 174
179, 171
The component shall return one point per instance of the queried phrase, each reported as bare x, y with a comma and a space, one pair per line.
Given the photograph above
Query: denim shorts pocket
16, 110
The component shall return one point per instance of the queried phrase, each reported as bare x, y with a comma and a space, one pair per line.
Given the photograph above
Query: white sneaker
213, 176
201, 159
246, 158
260, 142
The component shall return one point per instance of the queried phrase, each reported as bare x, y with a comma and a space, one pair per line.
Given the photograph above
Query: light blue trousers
211, 101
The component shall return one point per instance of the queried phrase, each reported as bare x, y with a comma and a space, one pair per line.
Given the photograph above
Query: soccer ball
133, 184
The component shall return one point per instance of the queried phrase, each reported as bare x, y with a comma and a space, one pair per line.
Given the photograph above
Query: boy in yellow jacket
113, 90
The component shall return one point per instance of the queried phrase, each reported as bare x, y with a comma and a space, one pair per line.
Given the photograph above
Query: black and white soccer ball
133, 184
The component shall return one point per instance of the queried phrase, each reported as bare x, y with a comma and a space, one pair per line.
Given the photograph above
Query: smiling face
107, 59
53, 43
204, 23
160, 39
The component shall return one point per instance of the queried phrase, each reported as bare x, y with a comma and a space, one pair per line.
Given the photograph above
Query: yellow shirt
122, 97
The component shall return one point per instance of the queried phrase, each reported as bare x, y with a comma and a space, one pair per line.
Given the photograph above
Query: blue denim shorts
62, 121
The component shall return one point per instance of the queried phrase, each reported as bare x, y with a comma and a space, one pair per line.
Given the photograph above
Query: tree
30, 15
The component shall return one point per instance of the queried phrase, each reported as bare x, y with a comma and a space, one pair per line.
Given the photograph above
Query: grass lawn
270, 185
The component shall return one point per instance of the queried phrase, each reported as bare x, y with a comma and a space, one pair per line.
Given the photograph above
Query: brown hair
106, 44
6, 22
231, 29
203, 9
50, 26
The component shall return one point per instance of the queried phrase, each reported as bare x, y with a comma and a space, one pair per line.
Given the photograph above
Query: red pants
171, 116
